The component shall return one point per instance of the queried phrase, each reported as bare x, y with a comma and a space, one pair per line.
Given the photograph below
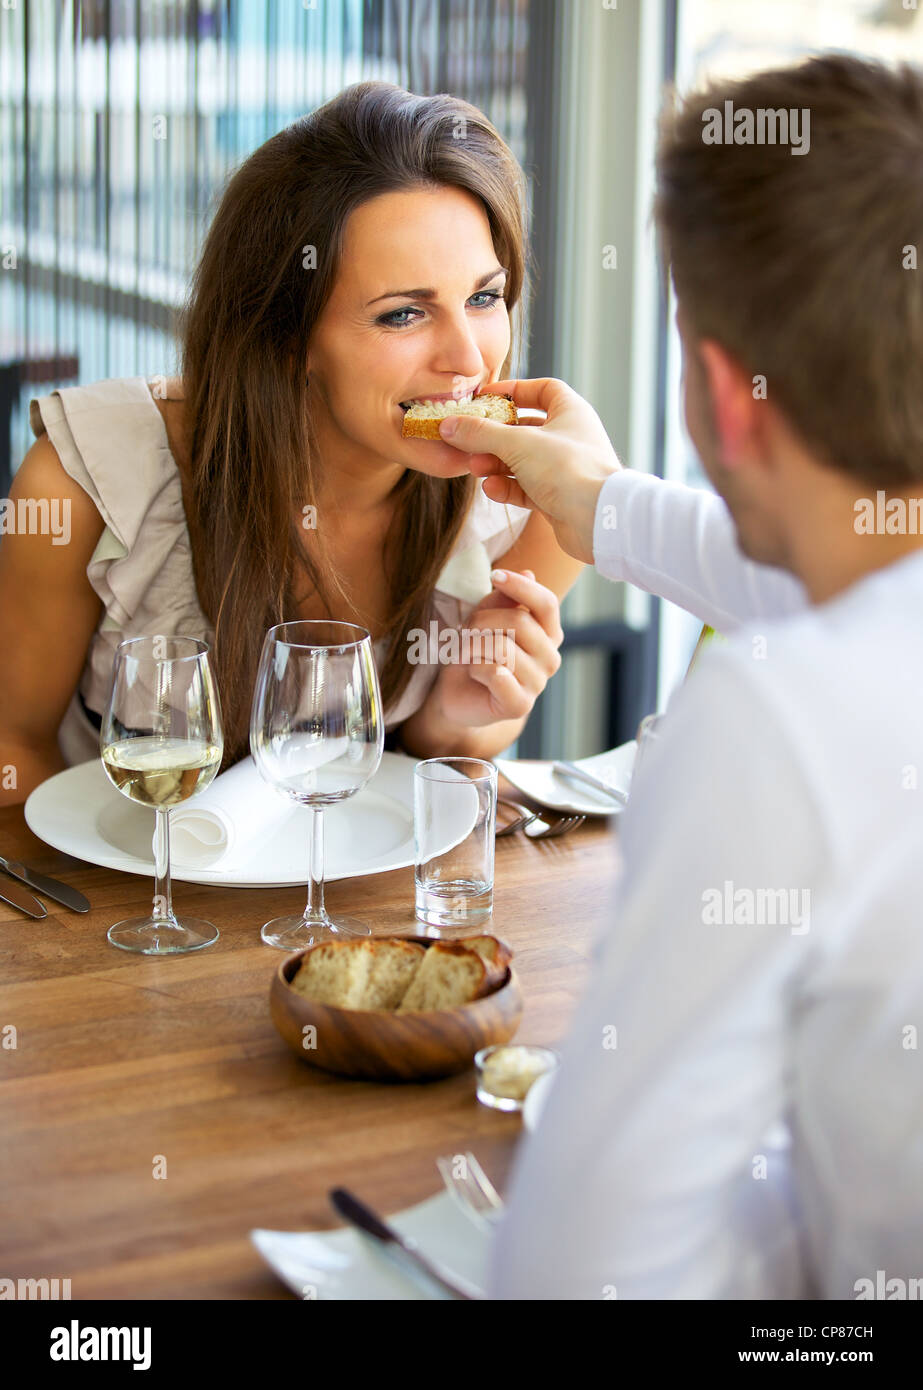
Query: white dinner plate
549, 788
80, 812
343, 1264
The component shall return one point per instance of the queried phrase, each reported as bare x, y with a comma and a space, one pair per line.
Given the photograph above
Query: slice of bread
397, 975
495, 954
332, 973
392, 969
358, 974
421, 421
449, 975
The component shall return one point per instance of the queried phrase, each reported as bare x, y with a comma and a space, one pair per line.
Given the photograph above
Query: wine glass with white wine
316, 734
161, 743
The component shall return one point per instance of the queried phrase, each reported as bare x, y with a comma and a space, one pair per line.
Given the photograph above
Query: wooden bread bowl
382, 1045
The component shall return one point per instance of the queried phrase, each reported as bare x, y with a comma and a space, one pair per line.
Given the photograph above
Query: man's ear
736, 412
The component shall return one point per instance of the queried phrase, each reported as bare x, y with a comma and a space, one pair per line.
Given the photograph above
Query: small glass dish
507, 1071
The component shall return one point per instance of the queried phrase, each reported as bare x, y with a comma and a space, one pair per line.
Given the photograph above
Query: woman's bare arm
48, 614
537, 549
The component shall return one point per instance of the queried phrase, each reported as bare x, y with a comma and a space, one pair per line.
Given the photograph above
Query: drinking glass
161, 743
454, 826
317, 736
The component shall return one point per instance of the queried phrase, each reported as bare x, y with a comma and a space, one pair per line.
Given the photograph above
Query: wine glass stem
315, 910
163, 896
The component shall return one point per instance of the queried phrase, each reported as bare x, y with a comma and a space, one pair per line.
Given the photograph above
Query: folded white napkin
341, 1264
238, 808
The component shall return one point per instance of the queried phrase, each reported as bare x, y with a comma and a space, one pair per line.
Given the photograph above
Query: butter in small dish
506, 1072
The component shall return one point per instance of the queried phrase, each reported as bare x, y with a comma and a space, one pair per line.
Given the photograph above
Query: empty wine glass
161, 743
316, 734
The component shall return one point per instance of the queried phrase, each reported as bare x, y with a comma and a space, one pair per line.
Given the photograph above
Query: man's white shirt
739, 1111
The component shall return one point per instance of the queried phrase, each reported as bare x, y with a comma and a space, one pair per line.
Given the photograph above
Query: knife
60, 892
578, 775
402, 1250
17, 897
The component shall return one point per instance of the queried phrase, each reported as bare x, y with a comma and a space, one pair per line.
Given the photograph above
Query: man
739, 1113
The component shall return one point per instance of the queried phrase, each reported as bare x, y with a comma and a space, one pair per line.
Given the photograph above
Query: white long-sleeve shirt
739, 1111
679, 542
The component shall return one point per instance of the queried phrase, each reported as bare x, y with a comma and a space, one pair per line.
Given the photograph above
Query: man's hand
556, 467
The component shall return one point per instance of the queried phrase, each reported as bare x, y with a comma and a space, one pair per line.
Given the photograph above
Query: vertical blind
121, 119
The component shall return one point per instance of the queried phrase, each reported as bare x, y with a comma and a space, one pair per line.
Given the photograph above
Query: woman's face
380, 340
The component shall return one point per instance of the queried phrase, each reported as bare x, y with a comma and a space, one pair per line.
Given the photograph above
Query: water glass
455, 825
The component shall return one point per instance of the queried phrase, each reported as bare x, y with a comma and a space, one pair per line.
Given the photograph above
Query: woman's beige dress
111, 439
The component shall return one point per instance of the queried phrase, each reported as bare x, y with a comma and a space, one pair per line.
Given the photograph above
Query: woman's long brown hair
245, 329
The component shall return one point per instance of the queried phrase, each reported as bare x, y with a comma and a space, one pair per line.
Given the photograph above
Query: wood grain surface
124, 1064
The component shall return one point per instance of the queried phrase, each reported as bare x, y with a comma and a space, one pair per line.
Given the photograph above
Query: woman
370, 254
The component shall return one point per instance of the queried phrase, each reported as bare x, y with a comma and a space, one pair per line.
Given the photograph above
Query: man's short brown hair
801, 264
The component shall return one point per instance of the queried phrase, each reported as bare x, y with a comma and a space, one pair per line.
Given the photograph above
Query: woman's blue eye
389, 319
488, 294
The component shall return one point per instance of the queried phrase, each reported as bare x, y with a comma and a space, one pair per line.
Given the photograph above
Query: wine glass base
294, 933
150, 938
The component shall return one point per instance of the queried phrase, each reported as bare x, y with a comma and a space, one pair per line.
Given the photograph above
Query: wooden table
120, 1059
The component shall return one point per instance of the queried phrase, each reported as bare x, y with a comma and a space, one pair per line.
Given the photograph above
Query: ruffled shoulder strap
111, 439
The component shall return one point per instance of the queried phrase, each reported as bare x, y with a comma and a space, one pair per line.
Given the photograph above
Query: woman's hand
508, 649
558, 466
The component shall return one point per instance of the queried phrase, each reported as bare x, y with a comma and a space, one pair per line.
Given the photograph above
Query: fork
524, 817
473, 1191
541, 830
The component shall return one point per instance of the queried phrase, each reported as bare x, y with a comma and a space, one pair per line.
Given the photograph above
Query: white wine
161, 771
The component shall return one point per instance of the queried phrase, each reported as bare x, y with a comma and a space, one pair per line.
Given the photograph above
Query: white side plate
549, 788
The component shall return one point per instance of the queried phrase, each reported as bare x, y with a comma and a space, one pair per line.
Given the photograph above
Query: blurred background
120, 120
